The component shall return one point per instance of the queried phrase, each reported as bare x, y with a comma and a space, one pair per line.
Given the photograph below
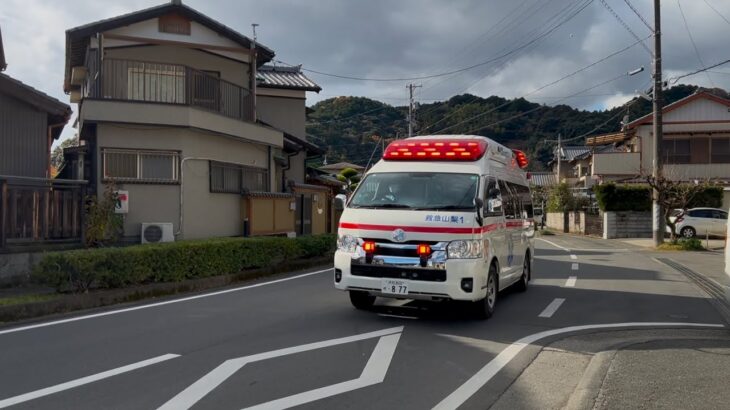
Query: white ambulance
438, 218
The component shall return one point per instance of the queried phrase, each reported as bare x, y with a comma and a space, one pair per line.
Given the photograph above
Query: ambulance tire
361, 300
484, 309
521, 285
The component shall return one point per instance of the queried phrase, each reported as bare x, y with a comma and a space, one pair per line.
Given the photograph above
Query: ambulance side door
494, 221
512, 232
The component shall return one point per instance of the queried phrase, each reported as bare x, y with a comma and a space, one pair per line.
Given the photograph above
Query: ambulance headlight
347, 243
468, 249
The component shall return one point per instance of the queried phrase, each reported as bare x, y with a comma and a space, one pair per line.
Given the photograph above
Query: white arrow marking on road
570, 282
554, 244
552, 308
373, 373
476, 382
196, 391
573, 257
84, 380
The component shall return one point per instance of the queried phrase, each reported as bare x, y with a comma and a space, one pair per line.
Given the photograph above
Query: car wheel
361, 300
688, 232
521, 285
484, 308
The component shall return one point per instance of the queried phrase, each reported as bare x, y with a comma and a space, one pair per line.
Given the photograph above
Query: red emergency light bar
436, 150
521, 158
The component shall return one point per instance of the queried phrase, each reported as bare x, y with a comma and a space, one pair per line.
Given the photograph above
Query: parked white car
701, 221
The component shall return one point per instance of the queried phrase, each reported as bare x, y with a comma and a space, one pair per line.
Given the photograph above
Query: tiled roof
340, 166
570, 152
285, 77
543, 179
603, 149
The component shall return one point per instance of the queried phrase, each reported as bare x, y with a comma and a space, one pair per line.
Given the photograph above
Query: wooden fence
36, 210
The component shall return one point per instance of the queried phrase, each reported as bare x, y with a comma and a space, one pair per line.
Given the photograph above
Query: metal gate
594, 224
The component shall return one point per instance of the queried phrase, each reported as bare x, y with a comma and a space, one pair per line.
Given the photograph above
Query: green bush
81, 270
612, 197
710, 197
690, 244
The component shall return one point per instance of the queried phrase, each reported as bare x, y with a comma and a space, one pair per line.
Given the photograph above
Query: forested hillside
350, 127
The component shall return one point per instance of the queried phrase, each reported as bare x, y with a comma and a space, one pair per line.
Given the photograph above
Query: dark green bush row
81, 270
613, 197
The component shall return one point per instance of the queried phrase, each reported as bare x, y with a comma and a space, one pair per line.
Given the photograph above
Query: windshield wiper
393, 206
448, 208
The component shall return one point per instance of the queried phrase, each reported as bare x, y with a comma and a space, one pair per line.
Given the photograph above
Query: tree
57, 155
350, 177
673, 194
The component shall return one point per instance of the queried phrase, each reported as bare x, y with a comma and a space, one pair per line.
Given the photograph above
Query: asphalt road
298, 342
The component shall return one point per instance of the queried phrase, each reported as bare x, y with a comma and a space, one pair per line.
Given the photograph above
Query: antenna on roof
176, 2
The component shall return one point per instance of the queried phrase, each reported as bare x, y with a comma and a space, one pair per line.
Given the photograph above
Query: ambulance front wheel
361, 300
484, 308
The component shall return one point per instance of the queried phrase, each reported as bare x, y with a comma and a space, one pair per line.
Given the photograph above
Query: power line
692, 40
626, 26
718, 13
550, 84
675, 79
643, 20
425, 77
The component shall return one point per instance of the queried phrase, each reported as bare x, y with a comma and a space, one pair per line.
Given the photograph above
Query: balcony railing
129, 80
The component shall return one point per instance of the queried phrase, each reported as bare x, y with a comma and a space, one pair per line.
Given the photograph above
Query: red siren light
436, 149
521, 158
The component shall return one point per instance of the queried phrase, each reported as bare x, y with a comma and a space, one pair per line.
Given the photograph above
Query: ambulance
438, 218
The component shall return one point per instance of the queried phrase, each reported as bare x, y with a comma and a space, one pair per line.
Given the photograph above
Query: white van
438, 218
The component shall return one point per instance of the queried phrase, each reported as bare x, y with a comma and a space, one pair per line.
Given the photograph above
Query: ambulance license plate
394, 287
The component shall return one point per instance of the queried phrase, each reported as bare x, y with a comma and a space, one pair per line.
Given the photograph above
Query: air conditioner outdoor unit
157, 232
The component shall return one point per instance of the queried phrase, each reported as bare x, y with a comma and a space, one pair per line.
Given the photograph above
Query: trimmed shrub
711, 197
81, 270
612, 197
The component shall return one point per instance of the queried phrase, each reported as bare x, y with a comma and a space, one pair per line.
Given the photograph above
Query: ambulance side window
526, 201
510, 200
493, 202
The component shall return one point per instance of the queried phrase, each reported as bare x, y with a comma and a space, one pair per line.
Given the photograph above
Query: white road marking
397, 316
196, 391
167, 302
573, 257
552, 308
476, 382
84, 380
570, 282
574, 267
600, 250
373, 373
554, 244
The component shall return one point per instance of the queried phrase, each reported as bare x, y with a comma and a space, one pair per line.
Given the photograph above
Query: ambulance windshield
417, 190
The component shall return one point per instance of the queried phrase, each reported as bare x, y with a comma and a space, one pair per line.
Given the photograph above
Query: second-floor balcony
148, 82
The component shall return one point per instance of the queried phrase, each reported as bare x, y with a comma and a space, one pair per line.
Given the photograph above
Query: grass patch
25, 299
692, 244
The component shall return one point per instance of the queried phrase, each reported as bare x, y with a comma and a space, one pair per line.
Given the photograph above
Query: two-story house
167, 115
695, 146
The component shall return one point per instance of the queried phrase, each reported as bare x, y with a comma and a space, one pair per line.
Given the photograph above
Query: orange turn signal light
368, 247
424, 250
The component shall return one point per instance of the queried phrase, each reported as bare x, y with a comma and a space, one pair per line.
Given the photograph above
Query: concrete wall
285, 113
624, 163
269, 216
206, 214
627, 225
557, 221
23, 139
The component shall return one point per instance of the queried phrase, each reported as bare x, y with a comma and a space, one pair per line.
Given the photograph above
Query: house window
676, 151
140, 166
174, 24
163, 83
720, 150
236, 179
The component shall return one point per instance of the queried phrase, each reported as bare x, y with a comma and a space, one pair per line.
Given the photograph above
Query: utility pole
411, 108
253, 71
560, 159
657, 219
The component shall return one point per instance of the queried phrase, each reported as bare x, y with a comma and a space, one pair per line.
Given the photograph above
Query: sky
509, 48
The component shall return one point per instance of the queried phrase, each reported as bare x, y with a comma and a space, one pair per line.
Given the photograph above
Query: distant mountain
350, 127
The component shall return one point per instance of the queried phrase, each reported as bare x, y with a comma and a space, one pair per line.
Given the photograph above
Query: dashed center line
552, 308
570, 282
574, 267
573, 257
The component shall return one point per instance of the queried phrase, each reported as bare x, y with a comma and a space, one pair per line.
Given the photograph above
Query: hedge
81, 270
613, 197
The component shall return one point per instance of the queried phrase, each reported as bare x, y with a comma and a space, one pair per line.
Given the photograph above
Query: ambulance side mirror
479, 207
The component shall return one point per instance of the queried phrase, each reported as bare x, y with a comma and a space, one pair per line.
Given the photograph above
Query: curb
75, 303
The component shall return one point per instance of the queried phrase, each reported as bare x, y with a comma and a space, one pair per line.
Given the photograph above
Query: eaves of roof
59, 112
648, 118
